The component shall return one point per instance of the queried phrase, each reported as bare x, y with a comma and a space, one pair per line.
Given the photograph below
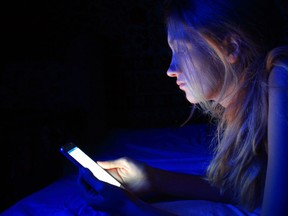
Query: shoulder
278, 76
278, 88
277, 66
276, 188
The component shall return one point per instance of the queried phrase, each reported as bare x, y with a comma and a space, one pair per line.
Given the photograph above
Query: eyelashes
182, 52
177, 52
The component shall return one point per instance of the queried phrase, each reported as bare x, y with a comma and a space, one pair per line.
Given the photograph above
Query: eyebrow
173, 40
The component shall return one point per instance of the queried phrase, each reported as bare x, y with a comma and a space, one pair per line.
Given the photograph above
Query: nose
173, 71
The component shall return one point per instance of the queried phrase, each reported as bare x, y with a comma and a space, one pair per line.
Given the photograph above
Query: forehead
181, 40
179, 32
176, 33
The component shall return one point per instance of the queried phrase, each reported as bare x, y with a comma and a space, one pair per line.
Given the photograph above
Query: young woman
230, 58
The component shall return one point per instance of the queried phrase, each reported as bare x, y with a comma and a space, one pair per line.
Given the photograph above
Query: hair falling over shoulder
240, 156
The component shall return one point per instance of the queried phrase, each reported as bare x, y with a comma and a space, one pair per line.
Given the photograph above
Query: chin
192, 100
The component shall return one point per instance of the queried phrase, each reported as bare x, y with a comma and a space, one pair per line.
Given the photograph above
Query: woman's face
192, 68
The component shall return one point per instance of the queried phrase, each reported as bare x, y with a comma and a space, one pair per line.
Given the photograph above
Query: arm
276, 188
142, 179
186, 186
114, 200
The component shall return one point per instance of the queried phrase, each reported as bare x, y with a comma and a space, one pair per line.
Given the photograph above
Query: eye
181, 51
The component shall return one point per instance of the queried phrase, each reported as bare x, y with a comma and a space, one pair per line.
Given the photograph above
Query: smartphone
80, 159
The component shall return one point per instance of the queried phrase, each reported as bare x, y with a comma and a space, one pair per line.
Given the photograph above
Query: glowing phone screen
87, 162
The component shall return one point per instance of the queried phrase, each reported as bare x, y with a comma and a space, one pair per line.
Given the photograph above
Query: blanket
184, 149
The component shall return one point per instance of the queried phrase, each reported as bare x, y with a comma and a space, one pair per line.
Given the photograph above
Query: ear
231, 48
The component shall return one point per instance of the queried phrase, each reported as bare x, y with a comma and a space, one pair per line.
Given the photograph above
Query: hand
133, 175
105, 197
113, 200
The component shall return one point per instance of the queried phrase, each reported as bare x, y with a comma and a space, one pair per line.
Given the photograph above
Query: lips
181, 84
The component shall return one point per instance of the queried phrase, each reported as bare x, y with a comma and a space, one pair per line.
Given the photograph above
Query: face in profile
194, 69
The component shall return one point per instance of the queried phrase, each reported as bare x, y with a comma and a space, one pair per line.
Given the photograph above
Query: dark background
74, 70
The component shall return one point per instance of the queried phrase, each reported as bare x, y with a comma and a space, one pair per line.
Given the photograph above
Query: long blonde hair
240, 156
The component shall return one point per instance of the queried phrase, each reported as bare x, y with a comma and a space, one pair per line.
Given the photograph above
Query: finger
82, 183
113, 164
87, 192
89, 180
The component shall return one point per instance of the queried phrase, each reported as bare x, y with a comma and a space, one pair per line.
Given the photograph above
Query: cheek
211, 89
201, 89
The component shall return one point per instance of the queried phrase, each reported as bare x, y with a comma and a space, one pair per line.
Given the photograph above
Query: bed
181, 149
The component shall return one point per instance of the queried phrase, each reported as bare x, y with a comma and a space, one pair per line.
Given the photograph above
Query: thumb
90, 179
